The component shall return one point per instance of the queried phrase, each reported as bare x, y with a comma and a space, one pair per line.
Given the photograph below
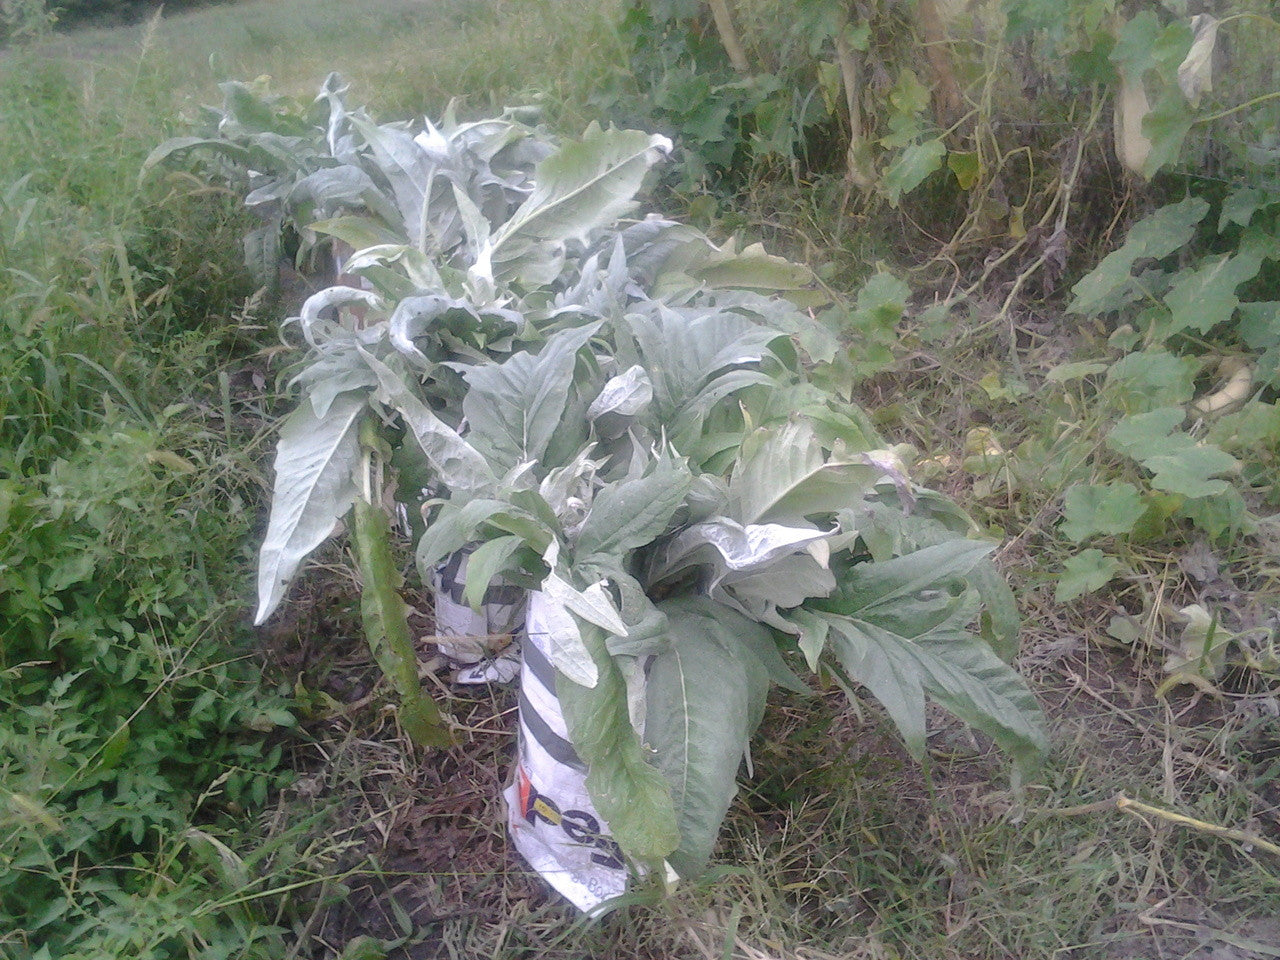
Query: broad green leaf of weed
1180, 465
1240, 205
1135, 42
1086, 572
1220, 516
880, 303
1145, 435
1203, 298
966, 166
1202, 648
1143, 45
916, 162
1190, 472
1066, 372
1260, 323
1166, 126
1153, 379
1108, 509
1254, 428
1168, 229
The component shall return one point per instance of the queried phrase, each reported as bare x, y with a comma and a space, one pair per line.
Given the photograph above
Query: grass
404, 57
839, 847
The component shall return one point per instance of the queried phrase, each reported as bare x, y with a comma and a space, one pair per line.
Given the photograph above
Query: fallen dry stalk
1138, 808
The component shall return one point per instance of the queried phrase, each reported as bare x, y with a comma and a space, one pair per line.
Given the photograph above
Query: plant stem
729, 36
856, 171
1273, 95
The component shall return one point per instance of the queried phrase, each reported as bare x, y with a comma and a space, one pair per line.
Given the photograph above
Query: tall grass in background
139, 737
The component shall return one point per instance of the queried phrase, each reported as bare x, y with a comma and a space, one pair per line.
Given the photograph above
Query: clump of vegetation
1159, 678
631, 434
138, 727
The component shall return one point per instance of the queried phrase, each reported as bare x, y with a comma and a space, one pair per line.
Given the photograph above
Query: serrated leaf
1168, 229
705, 697
1108, 509
968, 679
1087, 571
314, 487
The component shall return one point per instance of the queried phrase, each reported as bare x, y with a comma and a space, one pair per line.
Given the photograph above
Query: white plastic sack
552, 820
486, 643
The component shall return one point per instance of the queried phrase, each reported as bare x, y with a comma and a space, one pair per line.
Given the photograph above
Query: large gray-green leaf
624, 395
684, 350
408, 168
784, 475
632, 513
972, 682
706, 696
631, 795
871, 656
900, 628
910, 587
786, 582
458, 464
582, 186
453, 529
724, 544
315, 464
514, 407
315, 327
962, 673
